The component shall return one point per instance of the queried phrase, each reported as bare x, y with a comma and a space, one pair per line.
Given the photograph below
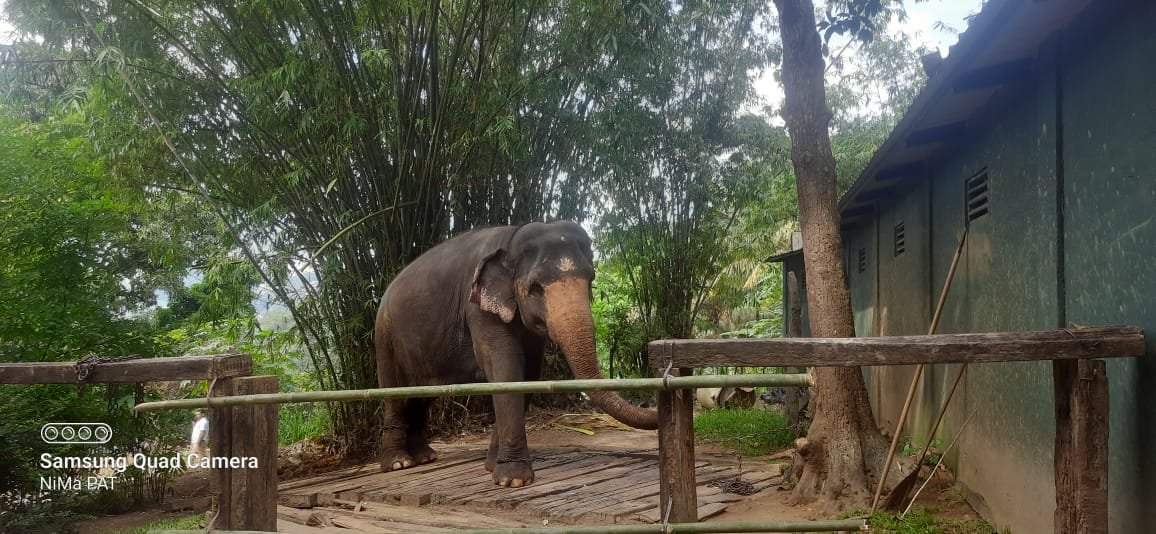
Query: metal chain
85, 365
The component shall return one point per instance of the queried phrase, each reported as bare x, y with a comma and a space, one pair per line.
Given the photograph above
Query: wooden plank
423, 474
247, 496
676, 453
576, 475
450, 458
641, 498
142, 370
1081, 455
439, 516
562, 493
601, 493
1066, 344
703, 512
543, 469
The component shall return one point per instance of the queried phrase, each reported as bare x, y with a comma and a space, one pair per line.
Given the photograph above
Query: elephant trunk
571, 325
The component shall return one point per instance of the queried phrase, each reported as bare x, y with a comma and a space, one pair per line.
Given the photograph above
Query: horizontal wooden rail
1066, 344
487, 388
122, 371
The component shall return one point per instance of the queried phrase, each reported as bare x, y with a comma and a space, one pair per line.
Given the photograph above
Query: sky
928, 23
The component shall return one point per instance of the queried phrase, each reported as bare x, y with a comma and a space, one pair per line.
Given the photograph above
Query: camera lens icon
76, 433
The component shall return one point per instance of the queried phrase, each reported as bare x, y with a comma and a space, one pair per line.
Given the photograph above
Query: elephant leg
394, 438
501, 356
417, 438
492, 454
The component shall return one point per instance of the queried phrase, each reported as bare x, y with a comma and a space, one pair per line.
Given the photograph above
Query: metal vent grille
900, 240
862, 260
977, 195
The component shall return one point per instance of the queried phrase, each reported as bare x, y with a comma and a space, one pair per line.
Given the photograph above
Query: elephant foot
424, 455
513, 473
395, 460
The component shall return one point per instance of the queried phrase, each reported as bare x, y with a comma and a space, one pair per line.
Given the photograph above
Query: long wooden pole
918, 371
843, 525
455, 390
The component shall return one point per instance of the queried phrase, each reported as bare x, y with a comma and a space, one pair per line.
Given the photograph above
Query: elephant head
542, 275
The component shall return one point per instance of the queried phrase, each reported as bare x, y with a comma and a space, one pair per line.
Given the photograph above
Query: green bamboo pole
844, 525
486, 388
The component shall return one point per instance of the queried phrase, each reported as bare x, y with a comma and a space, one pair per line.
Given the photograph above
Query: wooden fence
247, 497
1080, 382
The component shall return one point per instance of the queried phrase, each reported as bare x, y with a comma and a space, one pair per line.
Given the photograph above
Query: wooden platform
571, 486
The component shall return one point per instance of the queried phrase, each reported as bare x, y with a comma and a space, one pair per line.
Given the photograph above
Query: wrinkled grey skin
481, 306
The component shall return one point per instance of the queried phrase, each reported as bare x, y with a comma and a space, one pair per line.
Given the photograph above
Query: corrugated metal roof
1000, 47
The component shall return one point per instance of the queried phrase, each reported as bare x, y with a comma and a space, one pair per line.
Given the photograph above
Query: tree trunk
844, 449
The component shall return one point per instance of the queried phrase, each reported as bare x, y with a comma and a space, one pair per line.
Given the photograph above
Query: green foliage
750, 431
300, 422
192, 522
74, 270
621, 340
921, 520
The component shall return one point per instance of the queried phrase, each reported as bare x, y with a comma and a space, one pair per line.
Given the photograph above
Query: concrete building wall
1026, 268
1109, 198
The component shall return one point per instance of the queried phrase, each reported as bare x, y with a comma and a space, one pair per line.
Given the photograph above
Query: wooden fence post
676, 454
246, 497
1081, 455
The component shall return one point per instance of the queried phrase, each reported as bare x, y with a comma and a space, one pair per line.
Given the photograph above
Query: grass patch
920, 521
301, 421
750, 431
192, 522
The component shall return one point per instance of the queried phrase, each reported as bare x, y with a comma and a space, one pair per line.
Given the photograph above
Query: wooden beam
246, 496
1068, 344
993, 75
142, 370
1081, 455
677, 488
937, 134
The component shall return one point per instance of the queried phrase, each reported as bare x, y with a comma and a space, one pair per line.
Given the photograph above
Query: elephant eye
537, 290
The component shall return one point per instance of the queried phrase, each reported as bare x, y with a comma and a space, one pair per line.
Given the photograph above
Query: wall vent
900, 240
862, 260
977, 195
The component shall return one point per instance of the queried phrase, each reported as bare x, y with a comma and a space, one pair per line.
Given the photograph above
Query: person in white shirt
200, 437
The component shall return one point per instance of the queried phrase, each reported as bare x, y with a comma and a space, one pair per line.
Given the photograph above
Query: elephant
481, 306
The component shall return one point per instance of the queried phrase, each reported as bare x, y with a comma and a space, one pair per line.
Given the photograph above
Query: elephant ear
493, 287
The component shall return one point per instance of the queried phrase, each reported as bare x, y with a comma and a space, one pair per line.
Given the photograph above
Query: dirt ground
554, 430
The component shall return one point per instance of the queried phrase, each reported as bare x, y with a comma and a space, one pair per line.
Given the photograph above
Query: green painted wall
904, 307
1006, 281
862, 284
1009, 279
1109, 105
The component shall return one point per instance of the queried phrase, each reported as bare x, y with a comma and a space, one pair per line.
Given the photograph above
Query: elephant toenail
504, 482
397, 465
516, 483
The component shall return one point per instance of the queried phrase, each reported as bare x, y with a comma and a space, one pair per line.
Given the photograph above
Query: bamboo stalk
486, 388
841, 525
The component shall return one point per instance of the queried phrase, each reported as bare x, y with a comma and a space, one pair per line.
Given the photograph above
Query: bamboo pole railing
486, 388
834, 525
